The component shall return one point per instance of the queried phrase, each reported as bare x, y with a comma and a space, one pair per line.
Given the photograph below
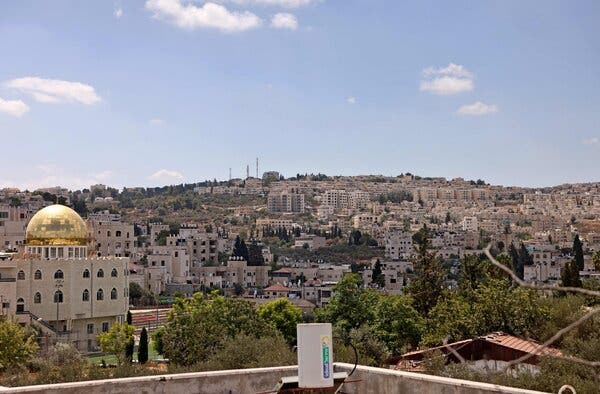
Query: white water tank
315, 355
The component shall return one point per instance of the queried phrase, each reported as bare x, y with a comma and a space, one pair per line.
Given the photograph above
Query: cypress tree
578, 252
143, 348
130, 345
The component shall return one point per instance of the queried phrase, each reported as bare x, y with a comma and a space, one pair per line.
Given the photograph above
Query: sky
155, 92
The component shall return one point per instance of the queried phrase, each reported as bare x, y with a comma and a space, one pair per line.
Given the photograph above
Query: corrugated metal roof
523, 345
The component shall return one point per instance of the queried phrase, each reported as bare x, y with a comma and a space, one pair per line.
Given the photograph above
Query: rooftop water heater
315, 355
315, 363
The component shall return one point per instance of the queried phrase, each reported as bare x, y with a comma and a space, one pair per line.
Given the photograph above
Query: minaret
247, 171
257, 168
230, 173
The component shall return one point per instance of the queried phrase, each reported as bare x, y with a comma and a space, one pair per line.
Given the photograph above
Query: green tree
143, 347
131, 345
198, 326
16, 346
570, 274
397, 323
578, 252
494, 306
428, 284
351, 305
284, 316
116, 340
596, 260
377, 277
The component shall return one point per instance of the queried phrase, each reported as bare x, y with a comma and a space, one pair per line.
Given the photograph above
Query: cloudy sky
153, 92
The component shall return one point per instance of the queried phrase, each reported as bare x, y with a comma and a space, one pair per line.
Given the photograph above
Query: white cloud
284, 20
351, 100
477, 109
157, 122
452, 79
118, 13
13, 107
55, 90
592, 141
275, 3
49, 175
209, 16
167, 176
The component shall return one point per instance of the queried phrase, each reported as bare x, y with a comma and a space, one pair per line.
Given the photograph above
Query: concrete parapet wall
370, 381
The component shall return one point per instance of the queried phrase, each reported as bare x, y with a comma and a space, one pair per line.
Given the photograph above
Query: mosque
55, 285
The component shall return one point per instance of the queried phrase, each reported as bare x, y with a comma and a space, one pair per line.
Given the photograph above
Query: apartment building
285, 202
109, 236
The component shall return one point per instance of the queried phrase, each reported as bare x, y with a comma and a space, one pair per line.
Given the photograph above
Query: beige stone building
52, 283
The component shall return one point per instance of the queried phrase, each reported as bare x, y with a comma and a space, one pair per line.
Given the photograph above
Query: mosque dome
56, 225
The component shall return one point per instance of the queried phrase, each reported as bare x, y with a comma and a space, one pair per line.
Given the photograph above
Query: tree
284, 316
494, 306
143, 347
116, 340
17, 347
397, 323
596, 260
197, 327
569, 275
578, 252
240, 249
351, 305
255, 256
131, 345
428, 284
377, 277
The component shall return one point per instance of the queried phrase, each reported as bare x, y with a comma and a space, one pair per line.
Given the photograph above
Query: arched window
58, 296
118, 233
113, 294
100, 273
108, 233
20, 305
85, 296
59, 275
37, 298
114, 273
21, 275
37, 274
86, 273
100, 295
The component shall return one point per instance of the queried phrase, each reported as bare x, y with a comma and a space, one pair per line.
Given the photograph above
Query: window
21, 275
100, 295
37, 275
86, 273
104, 326
114, 273
58, 297
108, 233
90, 328
20, 305
117, 234
100, 273
59, 275
113, 294
37, 298
86, 295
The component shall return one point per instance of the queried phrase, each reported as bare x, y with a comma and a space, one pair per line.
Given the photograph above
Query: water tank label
325, 342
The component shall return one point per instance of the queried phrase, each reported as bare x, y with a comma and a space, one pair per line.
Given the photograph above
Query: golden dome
56, 225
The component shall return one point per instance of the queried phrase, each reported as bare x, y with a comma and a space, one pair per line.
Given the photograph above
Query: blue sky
152, 92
